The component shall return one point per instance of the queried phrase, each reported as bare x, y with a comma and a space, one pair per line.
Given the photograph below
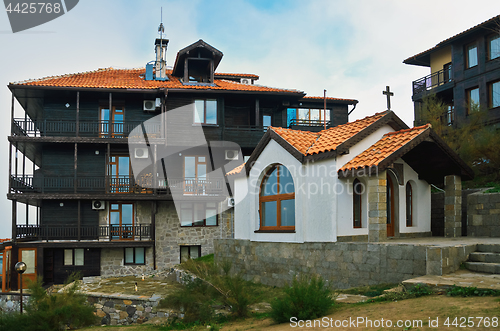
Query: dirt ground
425, 309
126, 285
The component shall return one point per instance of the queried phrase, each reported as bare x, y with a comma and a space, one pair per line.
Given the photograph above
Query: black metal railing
115, 185
97, 129
433, 80
308, 122
97, 232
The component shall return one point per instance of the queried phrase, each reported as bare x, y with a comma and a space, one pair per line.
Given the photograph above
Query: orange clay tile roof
491, 20
385, 147
329, 98
134, 79
4, 240
232, 74
309, 143
236, 170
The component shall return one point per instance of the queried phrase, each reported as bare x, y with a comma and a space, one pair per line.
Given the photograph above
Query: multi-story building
464, 71
70, 161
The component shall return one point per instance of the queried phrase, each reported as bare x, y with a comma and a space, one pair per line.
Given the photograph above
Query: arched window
357, 190
409, 205
277, 200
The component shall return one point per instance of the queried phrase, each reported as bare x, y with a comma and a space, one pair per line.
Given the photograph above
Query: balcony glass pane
127, 214
129, 255
68, 257
286, 181
303, 114
288, 212
471, 56
314, 114
270, 184
123, 166
495, 95
79, 256
114, 218
139, 255
494, 47
291, 114
327, 115
199, 115
190, 167
211, 111
269, 213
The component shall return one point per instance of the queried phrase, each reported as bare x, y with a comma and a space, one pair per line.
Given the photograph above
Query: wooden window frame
193, 206
205, 112
490, 94
117, 188
134, 255
122, 235
111, 133
468, 93
357, 195
276, 197
409, 204
189, 189
488, 46
189, 247
467, 59
73, 259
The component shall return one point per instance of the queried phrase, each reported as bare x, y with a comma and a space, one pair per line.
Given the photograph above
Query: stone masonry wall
112, 263
343, 265
170, 235
483, 215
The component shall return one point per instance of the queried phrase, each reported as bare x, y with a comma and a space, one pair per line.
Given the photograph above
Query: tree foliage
473, 140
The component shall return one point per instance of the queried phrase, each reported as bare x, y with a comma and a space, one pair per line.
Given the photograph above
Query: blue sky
351, 48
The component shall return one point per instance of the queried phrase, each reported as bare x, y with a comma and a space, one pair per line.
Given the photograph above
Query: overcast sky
353, 49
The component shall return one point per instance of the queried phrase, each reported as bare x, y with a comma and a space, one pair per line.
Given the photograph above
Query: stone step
490, 268
488, 248
487, 257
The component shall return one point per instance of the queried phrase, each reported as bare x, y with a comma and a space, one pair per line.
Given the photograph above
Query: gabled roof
423, 59
209, 51
328, 99
420, 147
111, 78
305, 145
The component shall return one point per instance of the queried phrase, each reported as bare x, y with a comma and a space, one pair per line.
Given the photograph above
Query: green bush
457, 291
46, 312
305, 299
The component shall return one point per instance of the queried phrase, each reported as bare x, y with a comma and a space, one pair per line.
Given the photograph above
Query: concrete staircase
486, 259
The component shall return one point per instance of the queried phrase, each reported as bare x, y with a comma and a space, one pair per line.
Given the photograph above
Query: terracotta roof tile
236, 170
134, 79
309, 143
232, 74
386, 146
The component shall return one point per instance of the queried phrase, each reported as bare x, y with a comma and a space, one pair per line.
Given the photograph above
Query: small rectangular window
494, 94
199, 214
190, 252
205, 111
135, 255
74, 257
493, 46
471, 55
472, 100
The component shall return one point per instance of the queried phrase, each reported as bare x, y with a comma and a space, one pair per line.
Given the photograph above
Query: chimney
161, 55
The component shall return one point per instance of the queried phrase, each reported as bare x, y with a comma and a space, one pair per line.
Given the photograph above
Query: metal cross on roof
389, 94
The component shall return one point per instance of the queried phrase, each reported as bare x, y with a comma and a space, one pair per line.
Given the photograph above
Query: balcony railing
115, 185
300, 122
245, 135
96, 129
97, 232
434, 80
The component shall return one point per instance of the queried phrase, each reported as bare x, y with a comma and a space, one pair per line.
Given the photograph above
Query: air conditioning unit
149, 105
98, 204
230, 202
231, 154
141, 153
246, 81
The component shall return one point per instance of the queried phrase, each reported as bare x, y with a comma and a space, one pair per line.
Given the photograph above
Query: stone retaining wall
483, 219
343, 265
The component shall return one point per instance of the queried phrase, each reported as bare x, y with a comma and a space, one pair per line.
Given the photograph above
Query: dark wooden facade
452, 83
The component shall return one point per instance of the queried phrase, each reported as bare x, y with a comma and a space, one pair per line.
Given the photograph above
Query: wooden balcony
98, 232
113, 185
93, 129
308, 125
432, 81
244, 135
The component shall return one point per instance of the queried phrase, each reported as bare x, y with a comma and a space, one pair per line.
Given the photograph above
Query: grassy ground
422, 309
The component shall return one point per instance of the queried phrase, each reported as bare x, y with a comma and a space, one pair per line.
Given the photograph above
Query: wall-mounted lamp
67, 105
61, 204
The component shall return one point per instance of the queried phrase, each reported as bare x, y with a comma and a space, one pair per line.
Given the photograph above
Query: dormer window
196, 63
